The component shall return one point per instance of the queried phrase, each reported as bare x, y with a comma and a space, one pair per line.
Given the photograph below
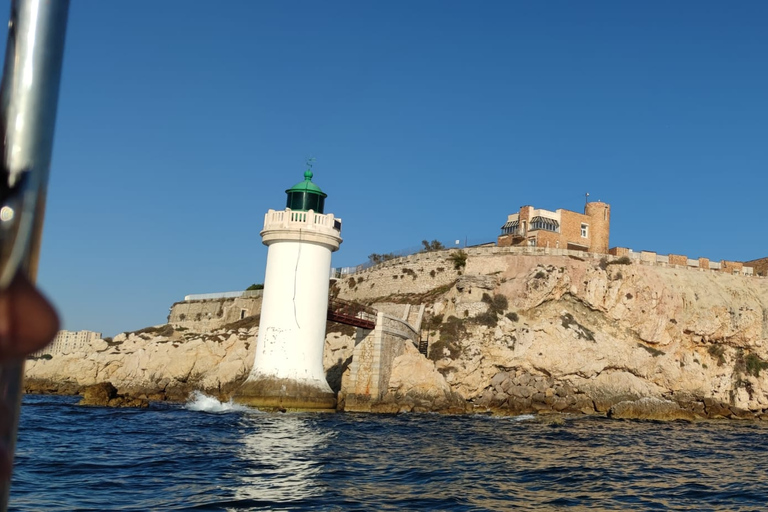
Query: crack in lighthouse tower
288, 369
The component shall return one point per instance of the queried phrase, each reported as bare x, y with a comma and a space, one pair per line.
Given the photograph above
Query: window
510, 228
545, 224
532, 242
584, 231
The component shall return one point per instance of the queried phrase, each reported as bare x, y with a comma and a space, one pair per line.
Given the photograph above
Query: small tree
377, 258
255, 287
434, 245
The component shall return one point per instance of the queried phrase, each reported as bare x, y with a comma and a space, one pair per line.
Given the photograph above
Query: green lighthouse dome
306, 195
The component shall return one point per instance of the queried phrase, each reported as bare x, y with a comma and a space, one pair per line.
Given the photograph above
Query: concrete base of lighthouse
273, 393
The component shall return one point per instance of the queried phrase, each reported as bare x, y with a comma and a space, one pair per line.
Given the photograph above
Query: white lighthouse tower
288, 370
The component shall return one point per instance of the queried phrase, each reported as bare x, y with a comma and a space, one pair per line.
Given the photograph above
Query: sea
209, 455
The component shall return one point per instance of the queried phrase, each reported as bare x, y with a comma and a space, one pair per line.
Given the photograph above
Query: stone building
67, 342
561, 229
759, 265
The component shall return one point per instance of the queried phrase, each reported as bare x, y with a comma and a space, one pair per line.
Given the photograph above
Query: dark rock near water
105, 394
650, 408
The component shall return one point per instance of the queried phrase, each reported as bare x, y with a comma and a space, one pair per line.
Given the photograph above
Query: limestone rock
415, 380
578, 336
600, 333
105, 394
650, 408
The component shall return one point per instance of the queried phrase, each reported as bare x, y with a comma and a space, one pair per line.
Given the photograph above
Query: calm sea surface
210, 456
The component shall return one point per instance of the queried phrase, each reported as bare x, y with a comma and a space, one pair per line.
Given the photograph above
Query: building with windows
560, 229
67, 342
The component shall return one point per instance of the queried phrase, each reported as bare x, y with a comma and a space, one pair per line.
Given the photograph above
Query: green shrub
245, 323
512, 316
380, 258
437, 350
434, 322
489, 319
255, 287
434, 245
452, 329
624, 260
499, 303
754, 364
459, 259
163, 330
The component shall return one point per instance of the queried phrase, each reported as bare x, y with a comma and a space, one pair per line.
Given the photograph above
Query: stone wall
211, 314
682, 261
760, 266
369, 373
411, 275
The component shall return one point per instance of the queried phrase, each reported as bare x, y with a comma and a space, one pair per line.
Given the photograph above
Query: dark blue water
176, 458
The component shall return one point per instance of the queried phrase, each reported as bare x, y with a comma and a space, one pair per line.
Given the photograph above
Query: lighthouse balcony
301, 225
290, 219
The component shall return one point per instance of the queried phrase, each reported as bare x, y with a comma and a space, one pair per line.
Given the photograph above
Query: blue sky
182, 122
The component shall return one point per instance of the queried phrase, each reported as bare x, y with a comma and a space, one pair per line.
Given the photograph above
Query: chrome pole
28, 99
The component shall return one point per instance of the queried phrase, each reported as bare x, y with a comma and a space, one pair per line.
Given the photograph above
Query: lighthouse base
276, 394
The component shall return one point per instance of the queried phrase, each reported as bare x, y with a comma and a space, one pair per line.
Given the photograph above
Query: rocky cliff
580, 333
509, 332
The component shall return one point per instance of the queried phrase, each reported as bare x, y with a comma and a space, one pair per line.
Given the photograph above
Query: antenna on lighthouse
310, 161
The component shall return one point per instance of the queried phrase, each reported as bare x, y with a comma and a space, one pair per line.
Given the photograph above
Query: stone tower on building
288, 368
559, 229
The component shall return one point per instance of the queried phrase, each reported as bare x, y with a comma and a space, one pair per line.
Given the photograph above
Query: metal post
28, 100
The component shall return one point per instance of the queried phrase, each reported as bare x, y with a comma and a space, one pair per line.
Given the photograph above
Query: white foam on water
523, 417
201, 402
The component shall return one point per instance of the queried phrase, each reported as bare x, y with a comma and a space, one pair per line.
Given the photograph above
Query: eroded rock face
574, 335
144, 366
415, 385
580, 335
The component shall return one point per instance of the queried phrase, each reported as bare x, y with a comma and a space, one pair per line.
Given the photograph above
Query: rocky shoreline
508, 334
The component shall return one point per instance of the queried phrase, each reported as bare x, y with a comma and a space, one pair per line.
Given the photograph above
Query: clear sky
182, 122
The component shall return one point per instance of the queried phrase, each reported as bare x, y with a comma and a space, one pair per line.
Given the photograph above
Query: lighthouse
288, 368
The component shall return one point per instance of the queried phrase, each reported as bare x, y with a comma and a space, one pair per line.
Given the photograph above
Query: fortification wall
422, 272
210, 314
412, 275
682, 261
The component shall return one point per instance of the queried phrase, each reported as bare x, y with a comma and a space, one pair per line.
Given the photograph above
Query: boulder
98, 394
649, 408
104, 394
